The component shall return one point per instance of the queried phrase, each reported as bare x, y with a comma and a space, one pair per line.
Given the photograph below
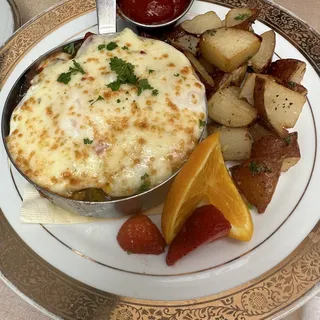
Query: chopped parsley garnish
87, 141
94, 101
155, 92
202, 123
124, 71
145, 183
125, 75
151, 71
76, 68
124, 48
256, 168
111, 45
91, 100
177, 74
66, 76
115, 85
212, 32
69, 49
292, 84
118, 100
242, 16
143, 84
129, 252
287, 140
250, 206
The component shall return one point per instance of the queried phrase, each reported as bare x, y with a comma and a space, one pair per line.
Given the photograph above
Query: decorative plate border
265, 297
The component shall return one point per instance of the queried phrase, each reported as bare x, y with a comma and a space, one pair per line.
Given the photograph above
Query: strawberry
140, 235
205, 224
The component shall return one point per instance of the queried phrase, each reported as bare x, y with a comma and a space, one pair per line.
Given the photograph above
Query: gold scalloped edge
261, 298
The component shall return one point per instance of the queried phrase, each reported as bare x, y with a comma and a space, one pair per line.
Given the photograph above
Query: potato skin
294, 86
278, 106
288, 70
258, 185
276, 148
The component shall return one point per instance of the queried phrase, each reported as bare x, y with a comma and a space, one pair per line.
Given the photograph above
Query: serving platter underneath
78, 271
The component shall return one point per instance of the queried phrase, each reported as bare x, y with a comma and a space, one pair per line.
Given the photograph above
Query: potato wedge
235, 143
286, 149
257, 179
182, 40
221, 79
226, 108
229, 48
297, 87
247, 90
288, 70
258, 131
200, 70
201, 23
279, 106
262, 60
241, 18
210, 68
239, 74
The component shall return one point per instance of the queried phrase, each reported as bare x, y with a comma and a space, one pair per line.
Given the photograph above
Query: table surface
12, 307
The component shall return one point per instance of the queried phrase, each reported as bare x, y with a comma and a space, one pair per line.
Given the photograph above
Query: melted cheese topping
66, 139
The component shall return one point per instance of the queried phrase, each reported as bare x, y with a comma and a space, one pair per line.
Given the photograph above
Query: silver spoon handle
107, 16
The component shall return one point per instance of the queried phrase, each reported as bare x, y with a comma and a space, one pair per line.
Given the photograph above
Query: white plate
90, 254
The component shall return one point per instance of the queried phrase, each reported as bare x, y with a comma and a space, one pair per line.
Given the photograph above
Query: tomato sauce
153, 11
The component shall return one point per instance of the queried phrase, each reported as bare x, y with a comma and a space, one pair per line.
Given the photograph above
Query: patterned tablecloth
12, 307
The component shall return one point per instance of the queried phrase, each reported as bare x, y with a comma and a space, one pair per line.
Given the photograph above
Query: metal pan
102, 209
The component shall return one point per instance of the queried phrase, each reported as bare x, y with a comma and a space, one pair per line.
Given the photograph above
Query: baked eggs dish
121, 116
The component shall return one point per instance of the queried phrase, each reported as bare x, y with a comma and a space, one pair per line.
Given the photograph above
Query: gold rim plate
267, 297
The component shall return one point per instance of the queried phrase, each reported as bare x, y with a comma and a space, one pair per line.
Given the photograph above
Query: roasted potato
226, 108
247, 90
257, 179
239, 74
286, 149
241, 18
297, 87
221, 79
258, 131
200, 70
210, 68
182, 40
261, 61
235, 143
288, 70
201, 23
229, 48
279, 106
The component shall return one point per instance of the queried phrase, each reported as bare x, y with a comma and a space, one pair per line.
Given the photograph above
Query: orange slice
203, 176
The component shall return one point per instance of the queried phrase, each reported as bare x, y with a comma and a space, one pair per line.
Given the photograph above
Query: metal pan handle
107, 15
